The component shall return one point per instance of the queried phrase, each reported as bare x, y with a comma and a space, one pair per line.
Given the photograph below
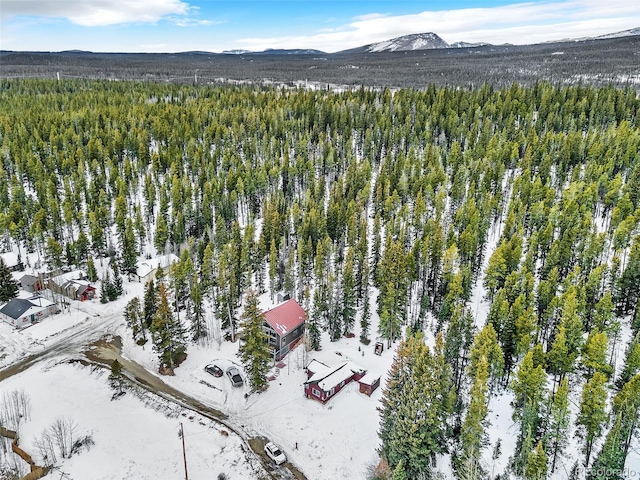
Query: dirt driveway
104, 351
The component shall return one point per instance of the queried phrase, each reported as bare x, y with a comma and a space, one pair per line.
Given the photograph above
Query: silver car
234, 375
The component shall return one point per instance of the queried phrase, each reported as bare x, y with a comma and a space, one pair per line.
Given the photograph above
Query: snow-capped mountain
417, 41
468, 44
276, 51
625, 33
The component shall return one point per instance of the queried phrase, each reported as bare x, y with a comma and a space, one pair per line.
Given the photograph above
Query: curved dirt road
104, 351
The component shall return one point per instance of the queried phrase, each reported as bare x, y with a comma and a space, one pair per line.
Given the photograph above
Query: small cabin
324, 381
369, 383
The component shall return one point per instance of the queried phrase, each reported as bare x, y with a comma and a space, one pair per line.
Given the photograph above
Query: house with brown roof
284, 324
72, 285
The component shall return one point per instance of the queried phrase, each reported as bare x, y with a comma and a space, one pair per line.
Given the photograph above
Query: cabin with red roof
284, 324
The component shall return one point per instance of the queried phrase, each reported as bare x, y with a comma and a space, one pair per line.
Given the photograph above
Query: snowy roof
78, 286
10, 258
333, 376
19, 307
28, 279
145, 267
285, 317
316, 366
369, 379
66, 277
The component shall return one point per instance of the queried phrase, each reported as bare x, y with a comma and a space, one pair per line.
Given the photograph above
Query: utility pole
184, 453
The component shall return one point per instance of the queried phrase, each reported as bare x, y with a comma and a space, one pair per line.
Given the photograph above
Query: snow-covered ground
337, 440
136, 436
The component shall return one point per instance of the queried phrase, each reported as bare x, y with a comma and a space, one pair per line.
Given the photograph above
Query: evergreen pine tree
162, 234
348, 290
115, 377
254, 351
8, 286
390, 321
626, 407
399, 473
559, 416
273, 268
135, 320
559, 359
413, 409
592, 414
594, 353
609, 464
129, 249
116, 289
528, 388
631, 363
330, 317
92, 274
198, 326
536, 467
318, 313
635, 322
365, 317
485, 344
106, 288
150, 304
459, 337
473, 426
167, 334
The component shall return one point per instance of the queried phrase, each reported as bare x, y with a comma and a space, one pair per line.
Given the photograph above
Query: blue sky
329, 25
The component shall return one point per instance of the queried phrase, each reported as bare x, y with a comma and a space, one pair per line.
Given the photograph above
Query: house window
342, 384
332, 391
315, 392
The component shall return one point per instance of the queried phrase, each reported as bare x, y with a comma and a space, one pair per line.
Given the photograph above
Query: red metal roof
285, 317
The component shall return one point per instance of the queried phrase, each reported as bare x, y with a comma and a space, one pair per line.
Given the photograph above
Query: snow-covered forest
401, 205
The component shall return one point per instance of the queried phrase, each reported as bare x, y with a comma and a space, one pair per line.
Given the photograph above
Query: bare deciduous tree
46, 448
15, 407
64, 432
59, 439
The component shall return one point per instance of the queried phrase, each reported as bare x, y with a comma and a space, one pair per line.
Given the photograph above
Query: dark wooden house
284, 324
369, 383
324, 382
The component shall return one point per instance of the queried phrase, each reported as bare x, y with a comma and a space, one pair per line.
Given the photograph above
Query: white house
20, 312
146, 269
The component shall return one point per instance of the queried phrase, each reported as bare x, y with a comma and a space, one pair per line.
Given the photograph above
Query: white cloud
91, 13
193, 22
518, 23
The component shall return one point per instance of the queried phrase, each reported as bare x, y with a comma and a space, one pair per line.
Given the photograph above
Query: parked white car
234, 375
274, 453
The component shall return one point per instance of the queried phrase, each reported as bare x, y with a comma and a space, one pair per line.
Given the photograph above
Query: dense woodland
367, 194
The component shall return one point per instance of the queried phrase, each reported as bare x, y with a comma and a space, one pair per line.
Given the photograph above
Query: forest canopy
341, 197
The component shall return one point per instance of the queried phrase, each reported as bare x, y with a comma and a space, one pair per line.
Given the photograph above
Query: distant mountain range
418, 41
625, 33
277, 51
405, 43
